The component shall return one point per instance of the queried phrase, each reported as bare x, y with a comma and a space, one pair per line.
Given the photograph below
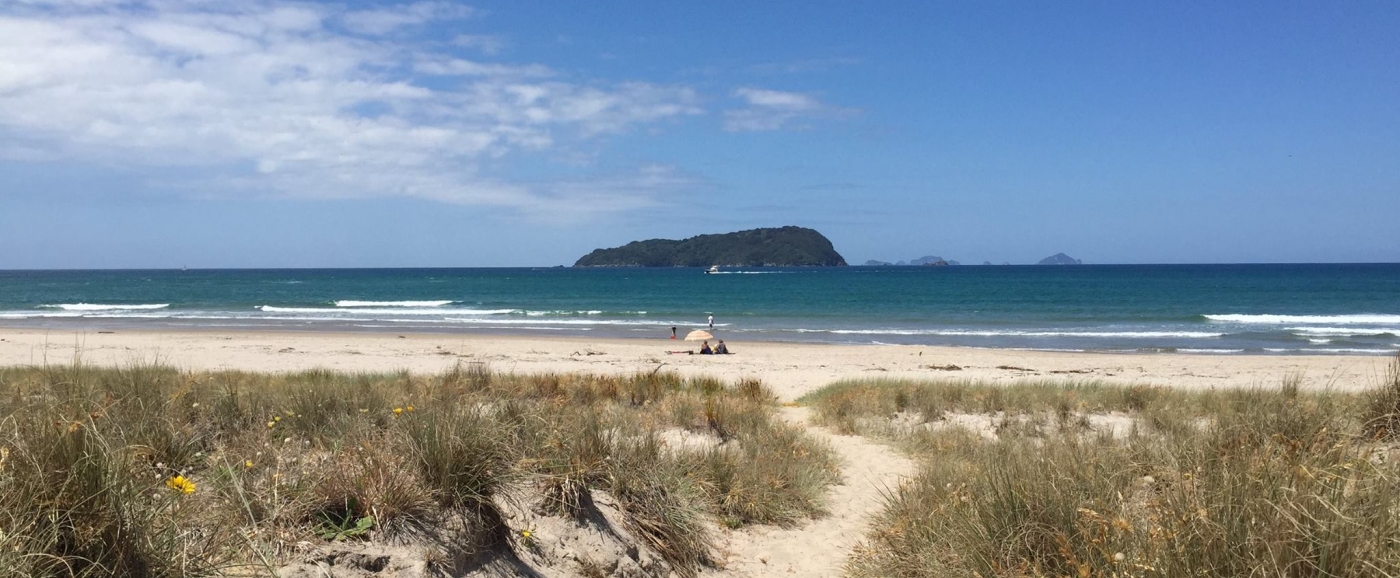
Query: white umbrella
698, 336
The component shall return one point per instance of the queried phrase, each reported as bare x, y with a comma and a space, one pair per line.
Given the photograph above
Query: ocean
1224, 309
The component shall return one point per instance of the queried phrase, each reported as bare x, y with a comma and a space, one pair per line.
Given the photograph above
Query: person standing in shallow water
673, 332
712, 322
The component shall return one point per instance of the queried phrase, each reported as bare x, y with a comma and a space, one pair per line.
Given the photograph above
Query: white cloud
774, 109
638, 189
273, 99
448, 66
778, 99
486, 43
386, 20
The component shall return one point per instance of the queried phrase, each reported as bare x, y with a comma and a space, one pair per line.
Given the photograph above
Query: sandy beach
870, 468
790, 369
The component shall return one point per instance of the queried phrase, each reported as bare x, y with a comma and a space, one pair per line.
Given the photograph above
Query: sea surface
1225, 309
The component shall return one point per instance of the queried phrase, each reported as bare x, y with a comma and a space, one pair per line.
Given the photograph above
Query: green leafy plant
336, 528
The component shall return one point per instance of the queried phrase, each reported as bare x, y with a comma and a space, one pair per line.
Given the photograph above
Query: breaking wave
104, 307
1358, 319
350, 303
1021, 333
1347, 331
404, 310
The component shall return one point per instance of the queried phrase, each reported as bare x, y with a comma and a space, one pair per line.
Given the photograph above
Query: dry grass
1264, 482
87, 456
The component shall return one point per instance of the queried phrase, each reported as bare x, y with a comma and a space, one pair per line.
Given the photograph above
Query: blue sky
153, 133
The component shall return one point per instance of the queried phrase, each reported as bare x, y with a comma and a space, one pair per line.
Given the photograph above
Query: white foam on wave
575, 321
1357, 319
1347, 331
1332, 350
332, 312
104, 307
565, 313
37, 314
1211, 351
1021, 333
350, 303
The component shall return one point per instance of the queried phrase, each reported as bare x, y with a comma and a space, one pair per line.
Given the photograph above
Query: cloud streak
768, 110
301, 100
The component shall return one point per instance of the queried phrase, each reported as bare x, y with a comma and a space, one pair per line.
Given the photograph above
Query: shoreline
503, 332
790, 369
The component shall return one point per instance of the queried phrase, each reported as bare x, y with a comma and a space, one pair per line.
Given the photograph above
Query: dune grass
149, 471
1256, 482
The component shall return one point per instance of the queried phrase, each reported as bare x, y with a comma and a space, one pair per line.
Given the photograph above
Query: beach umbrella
698, 336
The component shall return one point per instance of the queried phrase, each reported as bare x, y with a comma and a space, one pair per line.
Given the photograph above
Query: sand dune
816, 548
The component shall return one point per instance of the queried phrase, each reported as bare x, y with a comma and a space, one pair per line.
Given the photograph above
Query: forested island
770, 247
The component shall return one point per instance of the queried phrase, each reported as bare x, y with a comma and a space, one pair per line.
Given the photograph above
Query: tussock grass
1382, 417
1266, 482
841, 404
88, 455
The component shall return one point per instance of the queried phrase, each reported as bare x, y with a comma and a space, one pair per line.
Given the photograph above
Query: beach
790, 369
870, 468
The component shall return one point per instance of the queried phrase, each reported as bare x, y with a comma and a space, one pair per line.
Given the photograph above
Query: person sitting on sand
721, 348
705, 349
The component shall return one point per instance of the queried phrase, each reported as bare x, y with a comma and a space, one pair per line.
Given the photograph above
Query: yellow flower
276, 418
398, 411
247, 463
409, 408
271, 424
524, 533
180, 484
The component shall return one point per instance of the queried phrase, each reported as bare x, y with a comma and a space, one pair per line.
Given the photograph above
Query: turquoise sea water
1197, 308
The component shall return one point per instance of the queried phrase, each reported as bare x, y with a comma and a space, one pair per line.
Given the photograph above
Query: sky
157, 133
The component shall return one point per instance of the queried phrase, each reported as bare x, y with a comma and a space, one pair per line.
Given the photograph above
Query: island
926, 261
770, 247
1060, 259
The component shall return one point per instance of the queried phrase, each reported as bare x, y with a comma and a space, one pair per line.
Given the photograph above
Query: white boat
712, 269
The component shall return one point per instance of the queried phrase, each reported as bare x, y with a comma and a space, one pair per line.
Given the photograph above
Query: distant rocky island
925, 261
1060, 259
936, 261
770, 247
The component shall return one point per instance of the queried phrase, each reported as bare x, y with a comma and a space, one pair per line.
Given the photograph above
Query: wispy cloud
385, 20
487, 43
301, 100
648, 186
774, 109
804, 65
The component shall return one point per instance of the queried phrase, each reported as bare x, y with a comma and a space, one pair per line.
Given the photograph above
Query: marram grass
1258, 482
149, 471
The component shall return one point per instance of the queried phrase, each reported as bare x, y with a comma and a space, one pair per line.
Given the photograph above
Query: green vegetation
780, 247
1258, 482
149, 471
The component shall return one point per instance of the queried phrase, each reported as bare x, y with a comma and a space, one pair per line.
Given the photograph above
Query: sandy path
820, 548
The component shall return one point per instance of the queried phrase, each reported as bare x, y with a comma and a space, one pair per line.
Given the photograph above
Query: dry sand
791, 369
817, 548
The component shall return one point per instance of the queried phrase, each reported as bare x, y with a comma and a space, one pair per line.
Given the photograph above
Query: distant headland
770, 247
